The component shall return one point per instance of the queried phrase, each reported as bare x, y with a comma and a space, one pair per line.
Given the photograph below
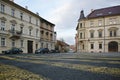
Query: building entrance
113, 46
30, 46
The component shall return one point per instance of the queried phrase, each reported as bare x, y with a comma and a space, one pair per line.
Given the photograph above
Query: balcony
4, 32
14, 34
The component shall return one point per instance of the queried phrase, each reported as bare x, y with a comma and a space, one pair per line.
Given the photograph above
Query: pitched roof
26, 10
109, 11
62, 43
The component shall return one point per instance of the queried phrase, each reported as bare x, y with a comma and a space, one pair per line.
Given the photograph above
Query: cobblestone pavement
68, 66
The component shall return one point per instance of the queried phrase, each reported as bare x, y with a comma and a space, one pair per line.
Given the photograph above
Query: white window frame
13, 43
22, 43
2, 25
3, 41
2, 8
37, 32
91, 23
99, 22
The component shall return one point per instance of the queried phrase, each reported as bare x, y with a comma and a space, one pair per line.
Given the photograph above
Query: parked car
13, 51
42, 50
54, 51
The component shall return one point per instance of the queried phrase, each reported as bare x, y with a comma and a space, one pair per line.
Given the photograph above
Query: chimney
37, 13
92, 10
26, 7
12, 0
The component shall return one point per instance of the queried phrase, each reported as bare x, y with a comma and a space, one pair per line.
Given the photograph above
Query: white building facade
99, 31
19, 27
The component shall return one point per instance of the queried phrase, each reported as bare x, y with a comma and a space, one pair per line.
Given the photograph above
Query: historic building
48, 36
61, 46
99, 31
19, 27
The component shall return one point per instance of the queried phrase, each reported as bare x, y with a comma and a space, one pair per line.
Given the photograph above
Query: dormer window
99, 14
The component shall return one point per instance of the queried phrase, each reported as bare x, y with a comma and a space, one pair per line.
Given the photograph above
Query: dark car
42, 50
54, 51
13, 51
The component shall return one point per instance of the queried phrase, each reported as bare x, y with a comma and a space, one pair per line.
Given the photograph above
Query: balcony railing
15, 34
4, 32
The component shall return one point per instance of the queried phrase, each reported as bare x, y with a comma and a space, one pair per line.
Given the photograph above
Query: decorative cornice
13, 21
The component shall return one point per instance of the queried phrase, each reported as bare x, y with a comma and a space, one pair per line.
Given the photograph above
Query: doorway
113, 46
30, 46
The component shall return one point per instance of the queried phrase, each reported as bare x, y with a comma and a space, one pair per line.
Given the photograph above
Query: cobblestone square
63, 66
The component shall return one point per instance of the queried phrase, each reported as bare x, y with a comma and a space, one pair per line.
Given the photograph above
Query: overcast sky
65, 13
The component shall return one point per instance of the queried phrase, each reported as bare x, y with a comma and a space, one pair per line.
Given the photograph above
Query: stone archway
113, 46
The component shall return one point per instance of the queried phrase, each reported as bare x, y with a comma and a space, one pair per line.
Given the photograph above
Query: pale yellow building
99, 31
19, 27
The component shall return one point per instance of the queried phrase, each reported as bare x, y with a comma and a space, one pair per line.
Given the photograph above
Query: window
80, 25
99, 22
100, 34
2, 25
92, 46
112, 21
13, 12
21, 16
13, 27
36, 32
37, 22
110, 33
47, 25
51, 45
13, 43
83, 47
113, 33
21, 43
21, 29
2, 41
91, 34
91, 23
29, 19
46, 45
30, 31
100, 46
80, 35
2, 8
42, 45
36, 46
